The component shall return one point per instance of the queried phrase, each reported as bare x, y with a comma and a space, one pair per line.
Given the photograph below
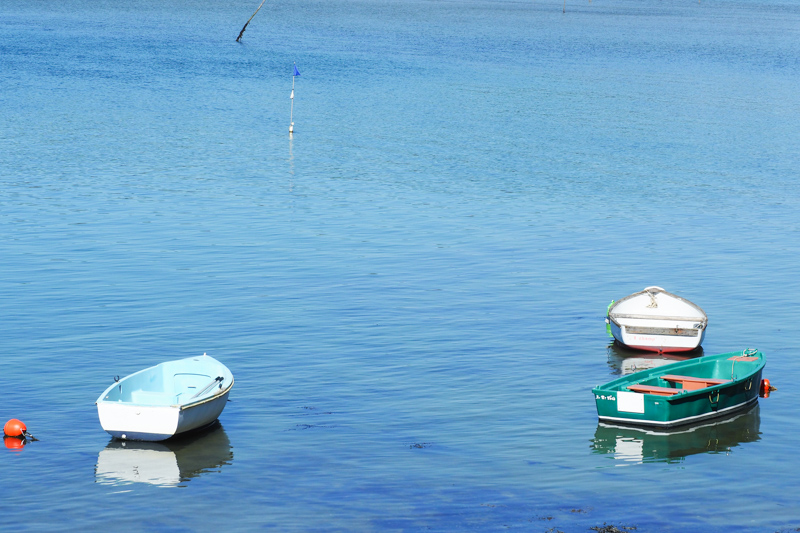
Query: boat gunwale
184, 406
181, 406
618, 384
654, 318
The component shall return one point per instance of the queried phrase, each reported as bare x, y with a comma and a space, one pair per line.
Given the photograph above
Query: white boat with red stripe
658, 321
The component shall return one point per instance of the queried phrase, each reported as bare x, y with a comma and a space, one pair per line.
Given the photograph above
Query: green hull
617, 404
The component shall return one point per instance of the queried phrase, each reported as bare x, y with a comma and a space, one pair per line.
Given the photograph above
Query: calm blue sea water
410, 292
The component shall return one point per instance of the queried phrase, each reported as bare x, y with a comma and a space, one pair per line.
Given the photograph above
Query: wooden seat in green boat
692, 383
652, 389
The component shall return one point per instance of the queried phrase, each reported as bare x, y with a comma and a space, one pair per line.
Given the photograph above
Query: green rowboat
684, 392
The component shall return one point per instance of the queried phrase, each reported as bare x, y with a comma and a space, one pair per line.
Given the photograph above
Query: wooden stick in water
248, 21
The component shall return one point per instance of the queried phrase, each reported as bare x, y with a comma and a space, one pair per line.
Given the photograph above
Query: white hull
656, 320
154, 423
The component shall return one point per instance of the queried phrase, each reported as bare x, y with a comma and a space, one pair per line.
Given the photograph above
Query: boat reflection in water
624, 360
634, 445
166, 463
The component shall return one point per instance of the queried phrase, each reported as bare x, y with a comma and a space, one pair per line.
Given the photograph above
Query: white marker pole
291, 112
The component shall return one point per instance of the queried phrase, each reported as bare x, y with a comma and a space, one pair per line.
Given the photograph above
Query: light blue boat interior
178, 382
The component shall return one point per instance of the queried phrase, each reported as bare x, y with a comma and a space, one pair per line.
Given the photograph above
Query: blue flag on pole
296, 72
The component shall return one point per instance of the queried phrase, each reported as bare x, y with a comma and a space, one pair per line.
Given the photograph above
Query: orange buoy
14, 443
15, 428
765, 388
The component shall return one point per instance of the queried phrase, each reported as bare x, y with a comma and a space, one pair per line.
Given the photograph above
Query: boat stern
138, 422
656, 320
622, 406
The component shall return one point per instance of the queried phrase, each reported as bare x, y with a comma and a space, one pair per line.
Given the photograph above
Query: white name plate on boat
630, 402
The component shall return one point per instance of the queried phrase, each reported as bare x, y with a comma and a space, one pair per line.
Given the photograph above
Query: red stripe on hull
662, 349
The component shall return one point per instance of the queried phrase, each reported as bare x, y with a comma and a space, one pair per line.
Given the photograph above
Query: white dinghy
658, 321
165, 400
